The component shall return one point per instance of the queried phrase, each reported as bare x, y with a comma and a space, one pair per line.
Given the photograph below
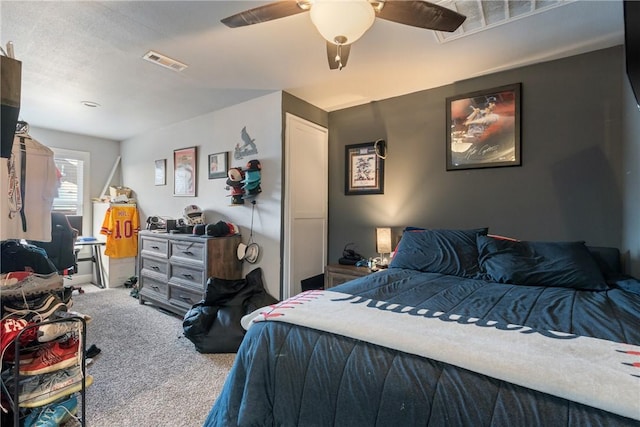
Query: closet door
305, 202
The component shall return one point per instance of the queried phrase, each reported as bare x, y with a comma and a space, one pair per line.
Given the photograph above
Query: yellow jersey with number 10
121, 225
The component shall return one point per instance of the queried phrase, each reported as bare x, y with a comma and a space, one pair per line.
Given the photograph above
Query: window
73, 168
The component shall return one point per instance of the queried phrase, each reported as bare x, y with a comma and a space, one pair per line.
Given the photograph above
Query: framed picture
364, 170
161, 172
218, 165
185, 172
483, 129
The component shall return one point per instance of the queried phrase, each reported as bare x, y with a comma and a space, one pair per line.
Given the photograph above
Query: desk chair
61, 248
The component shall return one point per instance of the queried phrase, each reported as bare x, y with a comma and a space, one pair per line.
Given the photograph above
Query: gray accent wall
570, 185
298, 107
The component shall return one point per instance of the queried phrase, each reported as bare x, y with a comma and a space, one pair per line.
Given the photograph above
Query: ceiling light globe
342, 18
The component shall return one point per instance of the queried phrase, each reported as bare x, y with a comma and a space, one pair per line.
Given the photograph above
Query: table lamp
383, 244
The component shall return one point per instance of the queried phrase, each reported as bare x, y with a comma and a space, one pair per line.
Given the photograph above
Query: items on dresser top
174, 268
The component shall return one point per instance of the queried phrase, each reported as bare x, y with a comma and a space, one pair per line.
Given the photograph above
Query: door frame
287, 287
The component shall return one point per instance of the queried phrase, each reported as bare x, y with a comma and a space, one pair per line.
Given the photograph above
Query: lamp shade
383, 240
342, 21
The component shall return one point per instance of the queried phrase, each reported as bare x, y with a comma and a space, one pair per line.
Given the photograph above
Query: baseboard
78, 279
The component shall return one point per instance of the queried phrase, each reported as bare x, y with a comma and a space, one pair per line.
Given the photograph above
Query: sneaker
51, 331
10, 328
33, 284
36, 309
70, 314
92, 351
39, 390
65, 295
8, 280
26, 356
53, 414
57, 355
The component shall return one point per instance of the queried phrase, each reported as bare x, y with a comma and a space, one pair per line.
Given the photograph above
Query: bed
463, 329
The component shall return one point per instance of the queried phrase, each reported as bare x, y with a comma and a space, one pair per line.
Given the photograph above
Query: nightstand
335, 274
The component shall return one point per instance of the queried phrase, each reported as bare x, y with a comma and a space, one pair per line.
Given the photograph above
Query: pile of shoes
132, 282
41, 349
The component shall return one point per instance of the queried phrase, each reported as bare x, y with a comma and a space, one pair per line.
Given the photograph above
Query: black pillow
556, 264
452, 252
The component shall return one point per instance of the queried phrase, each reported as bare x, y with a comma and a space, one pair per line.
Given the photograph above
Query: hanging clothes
121, 225
28, 184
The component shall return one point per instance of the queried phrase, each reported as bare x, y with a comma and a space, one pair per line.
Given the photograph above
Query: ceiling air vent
482, 15
165, 61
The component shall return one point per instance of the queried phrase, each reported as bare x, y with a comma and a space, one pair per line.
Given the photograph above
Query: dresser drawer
183, 297
336, 274
152, 285
157, 247
155, 265
187, 251
188, 276
336, 279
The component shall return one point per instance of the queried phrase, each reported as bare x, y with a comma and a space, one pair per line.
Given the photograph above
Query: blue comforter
287, 375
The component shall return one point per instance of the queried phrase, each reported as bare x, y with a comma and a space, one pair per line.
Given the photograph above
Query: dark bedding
287, 375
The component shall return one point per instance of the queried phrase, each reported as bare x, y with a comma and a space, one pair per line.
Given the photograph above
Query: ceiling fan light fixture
345, 20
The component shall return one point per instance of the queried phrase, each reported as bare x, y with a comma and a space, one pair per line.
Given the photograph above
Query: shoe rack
12, 392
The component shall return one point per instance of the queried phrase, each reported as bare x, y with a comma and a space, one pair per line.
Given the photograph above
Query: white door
305, 202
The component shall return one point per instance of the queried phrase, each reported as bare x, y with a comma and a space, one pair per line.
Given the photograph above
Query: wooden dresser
173, 269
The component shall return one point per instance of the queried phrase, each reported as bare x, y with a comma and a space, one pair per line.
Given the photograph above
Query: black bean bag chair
213, 324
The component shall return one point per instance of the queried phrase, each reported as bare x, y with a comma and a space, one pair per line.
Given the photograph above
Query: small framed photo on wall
364, 169
218, 165
161, 172
185, 172
483, 128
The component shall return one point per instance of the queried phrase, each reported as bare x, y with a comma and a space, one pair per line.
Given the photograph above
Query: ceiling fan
342, 22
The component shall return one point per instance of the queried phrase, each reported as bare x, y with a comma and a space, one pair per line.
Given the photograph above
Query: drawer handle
155, 247
187, 252
155, 267
188, 276
156, 287
185, 298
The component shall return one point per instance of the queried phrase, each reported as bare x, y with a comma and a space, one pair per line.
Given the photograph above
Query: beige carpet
147, 374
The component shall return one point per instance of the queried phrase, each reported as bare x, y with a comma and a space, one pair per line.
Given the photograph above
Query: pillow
452, 252
556, 264
608, 259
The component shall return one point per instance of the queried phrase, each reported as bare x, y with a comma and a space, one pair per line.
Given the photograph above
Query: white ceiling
92, 51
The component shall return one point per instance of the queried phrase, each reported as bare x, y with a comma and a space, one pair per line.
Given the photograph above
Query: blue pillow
555, 264
452, 252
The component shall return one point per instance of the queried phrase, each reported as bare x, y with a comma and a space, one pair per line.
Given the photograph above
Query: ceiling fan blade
421, 14
342, 51
268, 12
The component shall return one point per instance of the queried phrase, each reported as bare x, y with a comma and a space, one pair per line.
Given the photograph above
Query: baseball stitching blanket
592, 371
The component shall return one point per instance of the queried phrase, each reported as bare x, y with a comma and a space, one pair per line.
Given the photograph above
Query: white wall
212, 133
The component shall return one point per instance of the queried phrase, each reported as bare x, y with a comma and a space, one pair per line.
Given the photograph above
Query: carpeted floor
147, 373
